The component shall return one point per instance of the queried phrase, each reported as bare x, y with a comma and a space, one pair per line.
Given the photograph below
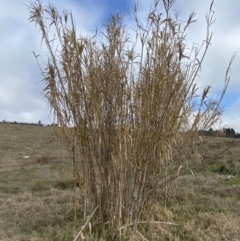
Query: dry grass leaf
124, 116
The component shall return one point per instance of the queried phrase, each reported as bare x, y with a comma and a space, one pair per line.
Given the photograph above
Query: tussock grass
128, 118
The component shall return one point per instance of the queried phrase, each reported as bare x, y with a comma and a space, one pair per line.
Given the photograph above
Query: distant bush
225, 132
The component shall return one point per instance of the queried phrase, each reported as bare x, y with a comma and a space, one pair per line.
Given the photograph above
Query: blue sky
20, 87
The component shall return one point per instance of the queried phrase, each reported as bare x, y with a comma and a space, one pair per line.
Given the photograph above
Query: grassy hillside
36, 201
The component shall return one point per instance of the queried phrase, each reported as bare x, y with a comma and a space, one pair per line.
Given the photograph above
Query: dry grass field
36, 199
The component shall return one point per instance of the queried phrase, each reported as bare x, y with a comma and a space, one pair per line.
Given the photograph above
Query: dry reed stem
83, 227
130, 114
151, 222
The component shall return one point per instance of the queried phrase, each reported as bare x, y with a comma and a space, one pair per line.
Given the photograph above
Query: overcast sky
20, 79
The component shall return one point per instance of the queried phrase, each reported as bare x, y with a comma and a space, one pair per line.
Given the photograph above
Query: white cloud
20, 87
231, 117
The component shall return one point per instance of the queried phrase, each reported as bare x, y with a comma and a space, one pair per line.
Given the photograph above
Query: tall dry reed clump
125, 115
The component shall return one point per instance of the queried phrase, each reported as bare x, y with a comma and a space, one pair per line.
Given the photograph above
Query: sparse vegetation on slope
36, 199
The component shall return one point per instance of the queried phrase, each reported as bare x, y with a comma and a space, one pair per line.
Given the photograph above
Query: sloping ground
207, 206
36, 201
35, 185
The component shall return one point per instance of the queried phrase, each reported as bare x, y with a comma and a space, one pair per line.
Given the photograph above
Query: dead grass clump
221, 226
207, 226
230, 167
154, 233
44, 160
125, 115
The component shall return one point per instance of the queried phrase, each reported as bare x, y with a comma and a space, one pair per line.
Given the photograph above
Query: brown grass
134, 115
36, 201
35, 198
